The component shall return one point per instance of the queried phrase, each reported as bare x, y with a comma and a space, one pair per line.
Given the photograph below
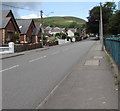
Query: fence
112, 45
7, 49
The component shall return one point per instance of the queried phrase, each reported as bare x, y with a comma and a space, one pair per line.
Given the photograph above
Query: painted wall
0, 36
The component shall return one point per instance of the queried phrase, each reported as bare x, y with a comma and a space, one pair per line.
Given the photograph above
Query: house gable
10, 14
24, 25
6, 16
30, 29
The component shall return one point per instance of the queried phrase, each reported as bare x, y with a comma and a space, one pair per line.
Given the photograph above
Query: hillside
63, 21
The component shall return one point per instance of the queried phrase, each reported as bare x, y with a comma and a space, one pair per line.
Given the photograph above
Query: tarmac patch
92, 63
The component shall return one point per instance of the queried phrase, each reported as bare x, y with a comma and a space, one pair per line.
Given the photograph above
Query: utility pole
41, 15
101, 26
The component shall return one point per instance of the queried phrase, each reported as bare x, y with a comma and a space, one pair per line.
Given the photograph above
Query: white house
70, 33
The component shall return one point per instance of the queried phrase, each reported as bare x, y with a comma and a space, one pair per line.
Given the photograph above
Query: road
29, 78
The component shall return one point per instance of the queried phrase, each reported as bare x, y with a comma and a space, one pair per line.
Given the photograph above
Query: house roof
5, 19
24, 25
37, 24
73, 30
36, 31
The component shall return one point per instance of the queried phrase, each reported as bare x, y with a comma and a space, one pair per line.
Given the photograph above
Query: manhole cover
92, 62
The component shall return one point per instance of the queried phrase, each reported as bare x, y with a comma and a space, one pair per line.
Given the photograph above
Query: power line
17, 7
47, 15
22, 8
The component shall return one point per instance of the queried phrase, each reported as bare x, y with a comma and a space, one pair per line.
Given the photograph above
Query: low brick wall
52, 43
24, 47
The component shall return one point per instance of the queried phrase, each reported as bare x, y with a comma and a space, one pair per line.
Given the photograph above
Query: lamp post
101, 26
41, 15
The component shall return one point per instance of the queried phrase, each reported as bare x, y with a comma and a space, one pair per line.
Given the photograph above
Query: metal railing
112, 45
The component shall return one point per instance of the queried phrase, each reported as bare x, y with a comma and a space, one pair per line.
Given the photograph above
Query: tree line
111, 19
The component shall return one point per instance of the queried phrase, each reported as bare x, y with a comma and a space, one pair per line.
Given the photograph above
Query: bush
76, 34
53, 40
17, 37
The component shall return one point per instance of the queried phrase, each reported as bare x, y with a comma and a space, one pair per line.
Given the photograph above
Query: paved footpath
90, 85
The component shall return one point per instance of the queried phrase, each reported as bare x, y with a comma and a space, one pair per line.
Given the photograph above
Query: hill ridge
63, 21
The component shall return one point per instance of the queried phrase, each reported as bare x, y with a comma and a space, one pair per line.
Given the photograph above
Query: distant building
53, 31
70, 33
119, 5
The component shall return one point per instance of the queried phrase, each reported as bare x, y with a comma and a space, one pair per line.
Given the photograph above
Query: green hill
66, 21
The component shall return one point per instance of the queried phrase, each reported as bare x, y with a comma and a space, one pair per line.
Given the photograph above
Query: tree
76, 34
57, 34
94, 17
73, 25
114, 23
93, 20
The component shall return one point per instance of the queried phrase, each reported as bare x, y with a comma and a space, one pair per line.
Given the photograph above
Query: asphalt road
28, 79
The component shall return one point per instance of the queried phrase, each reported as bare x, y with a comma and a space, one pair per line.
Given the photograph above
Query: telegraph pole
41, 15
101, 26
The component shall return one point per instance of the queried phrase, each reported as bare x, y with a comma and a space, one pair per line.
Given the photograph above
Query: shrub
53, 40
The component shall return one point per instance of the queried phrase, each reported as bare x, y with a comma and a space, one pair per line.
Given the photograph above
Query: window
10, 37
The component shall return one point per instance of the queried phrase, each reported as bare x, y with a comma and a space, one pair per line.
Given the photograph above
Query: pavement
90, 85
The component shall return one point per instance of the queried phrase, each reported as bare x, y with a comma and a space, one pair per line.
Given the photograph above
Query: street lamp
41, 15
49, 14
101, 26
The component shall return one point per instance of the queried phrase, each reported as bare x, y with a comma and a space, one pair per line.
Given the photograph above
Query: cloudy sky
32, 9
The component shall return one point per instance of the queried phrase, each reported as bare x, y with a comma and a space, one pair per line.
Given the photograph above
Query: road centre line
55, 52
65, 49
9, 68
37, 58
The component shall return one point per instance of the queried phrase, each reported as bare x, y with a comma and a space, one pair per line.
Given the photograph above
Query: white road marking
50, 94
103, 102
37, 58
55, 52
9, 68
64, 49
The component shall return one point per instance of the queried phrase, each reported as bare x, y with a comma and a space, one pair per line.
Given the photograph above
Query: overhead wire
22, 8
30, 9
18, 7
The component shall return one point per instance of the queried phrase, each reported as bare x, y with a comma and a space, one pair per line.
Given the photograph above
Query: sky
32, 9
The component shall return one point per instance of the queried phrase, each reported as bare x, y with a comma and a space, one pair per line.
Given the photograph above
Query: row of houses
22, 31
27, 30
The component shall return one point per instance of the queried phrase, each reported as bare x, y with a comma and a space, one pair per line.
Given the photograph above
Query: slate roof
36, 31
37, 24
24, 24
5, 20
